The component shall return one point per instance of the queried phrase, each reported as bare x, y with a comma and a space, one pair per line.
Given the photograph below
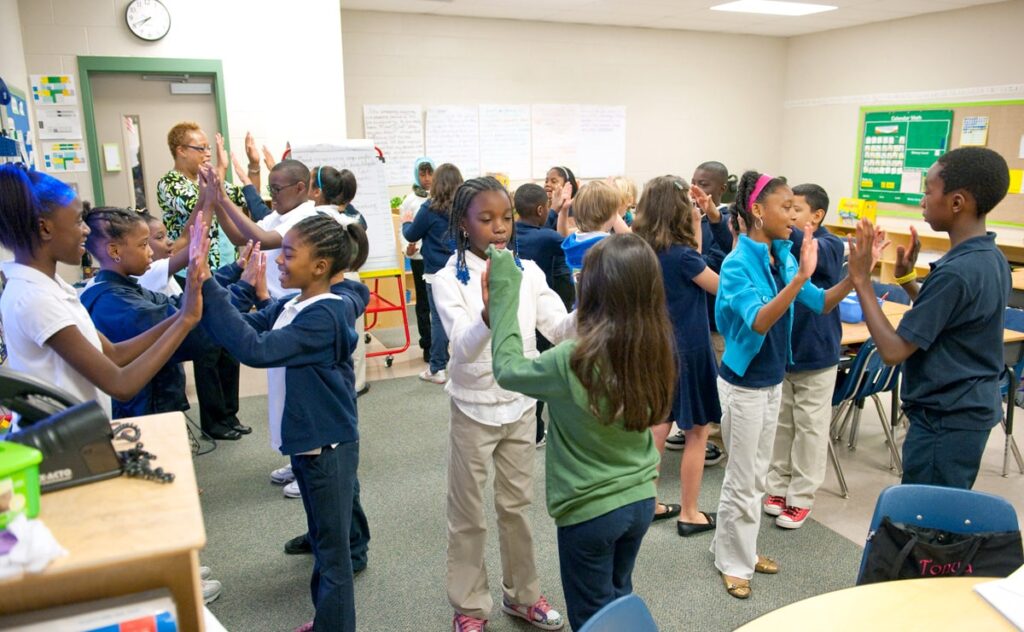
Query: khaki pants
801, 439
472, 447
749, 416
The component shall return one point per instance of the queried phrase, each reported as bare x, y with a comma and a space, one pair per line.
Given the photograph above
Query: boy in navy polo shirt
952, 338
801, 437
542, 245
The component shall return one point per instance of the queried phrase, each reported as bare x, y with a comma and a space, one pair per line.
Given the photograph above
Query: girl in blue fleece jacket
306, 343
759, 282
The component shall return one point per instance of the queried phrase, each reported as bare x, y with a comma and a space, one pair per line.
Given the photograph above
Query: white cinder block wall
689, 96
282, 61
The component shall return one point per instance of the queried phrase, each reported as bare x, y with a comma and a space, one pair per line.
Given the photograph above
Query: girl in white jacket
488, 423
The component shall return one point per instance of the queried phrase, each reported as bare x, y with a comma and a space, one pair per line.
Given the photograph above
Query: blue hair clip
318, 170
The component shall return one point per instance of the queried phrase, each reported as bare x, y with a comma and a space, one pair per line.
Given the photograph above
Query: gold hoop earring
758, 222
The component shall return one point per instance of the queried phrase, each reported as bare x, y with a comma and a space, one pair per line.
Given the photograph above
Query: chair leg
894, 453
1010, 447
839, 471
858, 407
844, 411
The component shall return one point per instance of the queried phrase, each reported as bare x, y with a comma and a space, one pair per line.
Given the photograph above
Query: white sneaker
291, 490
676, 441
435, 378
282, 475
211, 590
205, 572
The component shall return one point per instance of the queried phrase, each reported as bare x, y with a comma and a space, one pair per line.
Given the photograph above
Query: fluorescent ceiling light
773, 7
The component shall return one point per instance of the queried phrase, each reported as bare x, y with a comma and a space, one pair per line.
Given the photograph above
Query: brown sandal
766, 565
738, 588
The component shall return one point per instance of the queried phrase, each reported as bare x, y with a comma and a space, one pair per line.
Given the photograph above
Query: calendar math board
897, 149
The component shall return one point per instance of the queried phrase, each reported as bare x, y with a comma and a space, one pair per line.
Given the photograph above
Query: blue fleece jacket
258, 209
316, 348
744, 287
576, 248
430, 228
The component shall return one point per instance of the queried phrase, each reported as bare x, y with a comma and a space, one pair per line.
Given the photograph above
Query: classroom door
133, 116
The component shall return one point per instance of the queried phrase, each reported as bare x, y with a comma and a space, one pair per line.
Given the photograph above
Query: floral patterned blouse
177, 196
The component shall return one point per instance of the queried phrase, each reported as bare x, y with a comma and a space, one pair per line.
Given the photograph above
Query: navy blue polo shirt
816, 336
542, 246
957, 324
769, 365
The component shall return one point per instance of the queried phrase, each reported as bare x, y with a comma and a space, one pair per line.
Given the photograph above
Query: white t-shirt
281, 224
158, 279
412, 202
34, 307
275, 375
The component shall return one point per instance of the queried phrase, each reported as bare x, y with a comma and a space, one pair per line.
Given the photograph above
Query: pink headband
762, 182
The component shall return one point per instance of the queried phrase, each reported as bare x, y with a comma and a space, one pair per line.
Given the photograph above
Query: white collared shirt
275, 376
281, 224
159, 279
34, 307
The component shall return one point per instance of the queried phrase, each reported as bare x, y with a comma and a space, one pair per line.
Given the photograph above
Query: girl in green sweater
604, 390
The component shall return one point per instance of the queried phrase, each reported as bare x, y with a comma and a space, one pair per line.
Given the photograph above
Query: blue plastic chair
946, 508
868, 376
892, 292
627, 613
1008, 382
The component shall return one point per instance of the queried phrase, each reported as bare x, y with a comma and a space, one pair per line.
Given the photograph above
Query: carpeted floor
403, 424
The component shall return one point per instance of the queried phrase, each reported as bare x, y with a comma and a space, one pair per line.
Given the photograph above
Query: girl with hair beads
430, 226
306, 343
488, 423
47, 330
670, 224
604, 390
759, 282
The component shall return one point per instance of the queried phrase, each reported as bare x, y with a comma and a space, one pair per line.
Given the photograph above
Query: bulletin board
895, 177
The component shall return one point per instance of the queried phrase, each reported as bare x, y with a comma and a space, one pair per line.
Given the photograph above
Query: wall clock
148, 19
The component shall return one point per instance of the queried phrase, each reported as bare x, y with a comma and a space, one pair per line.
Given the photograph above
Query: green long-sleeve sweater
592, 468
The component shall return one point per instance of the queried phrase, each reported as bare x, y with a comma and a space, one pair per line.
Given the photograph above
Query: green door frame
149, 65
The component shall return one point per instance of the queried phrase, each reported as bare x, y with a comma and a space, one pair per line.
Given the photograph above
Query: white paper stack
1006, 596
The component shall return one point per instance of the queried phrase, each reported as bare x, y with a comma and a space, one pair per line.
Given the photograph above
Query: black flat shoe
671, 511
364, 390
298, 545
242, 429
686, 529
224, 434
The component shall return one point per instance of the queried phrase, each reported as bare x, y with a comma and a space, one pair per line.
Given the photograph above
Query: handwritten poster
398, 131
505, 140
64, 157
453, 135
602, 145
53, 90
359, 157
58, 123
556, 137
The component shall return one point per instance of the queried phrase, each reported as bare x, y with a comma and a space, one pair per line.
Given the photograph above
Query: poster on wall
16, 122
53, 90
897, 149
505, 140
398, 131
453, 135
58, 123
64, 157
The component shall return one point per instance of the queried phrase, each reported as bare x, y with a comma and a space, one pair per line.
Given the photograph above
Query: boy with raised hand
951, 340
801, 438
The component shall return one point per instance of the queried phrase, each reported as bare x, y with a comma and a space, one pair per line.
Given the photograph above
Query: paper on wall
974, 131
602, 141
58, 123
53, 90
910, 181
64, 157
556, 137
505, 140
398, 131
453, 135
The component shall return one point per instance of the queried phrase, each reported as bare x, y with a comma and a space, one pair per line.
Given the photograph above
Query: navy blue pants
327, 483
596, 558
936, 454
438, 337
358, 532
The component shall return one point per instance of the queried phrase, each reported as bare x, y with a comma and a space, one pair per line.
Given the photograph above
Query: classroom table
934, 603
1017, 288
124, 535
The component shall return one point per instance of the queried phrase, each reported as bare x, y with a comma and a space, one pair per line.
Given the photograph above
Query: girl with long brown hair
604, 390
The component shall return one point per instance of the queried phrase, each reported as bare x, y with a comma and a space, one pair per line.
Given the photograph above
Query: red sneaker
464, 623
774, 505
792, 517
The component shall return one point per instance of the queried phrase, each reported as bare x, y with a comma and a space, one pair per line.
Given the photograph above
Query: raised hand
251, 152
563, 197
268, 158
240, 172
808, 253
198, 272
906, 259
879, 244
407, 215
704, 202
698, 234
251, 273
860, 263
260, 264
222, 156
244, 255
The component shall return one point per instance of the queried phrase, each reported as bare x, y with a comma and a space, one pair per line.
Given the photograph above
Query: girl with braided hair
488, 423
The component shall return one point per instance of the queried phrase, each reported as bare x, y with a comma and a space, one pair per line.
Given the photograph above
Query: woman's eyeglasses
199, 148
